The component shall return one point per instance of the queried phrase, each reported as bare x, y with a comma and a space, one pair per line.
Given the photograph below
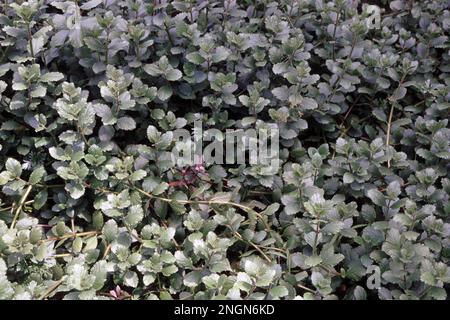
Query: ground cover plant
92, 91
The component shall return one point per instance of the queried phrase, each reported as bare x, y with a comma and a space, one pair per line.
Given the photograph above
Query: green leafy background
92, 91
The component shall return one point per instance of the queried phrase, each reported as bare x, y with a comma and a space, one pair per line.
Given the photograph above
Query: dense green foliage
91, 92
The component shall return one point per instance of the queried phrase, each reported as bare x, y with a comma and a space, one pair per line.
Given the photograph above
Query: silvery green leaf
38, 92
37, 43
313, 261
95, 205
126, 123
220, 264
359, 293
169, 270
291, 203
40, 199
244, 100
14, 167
104, 112
379, 114
152, 134
5, 176
125, 101
110, 230
437, 293
19, 86
90, 4
393, 189
152, 69
91, 244
5, 67
192, 279
399, 93
279, 292
397, 5
3, 86
167, 235
36, 175
195, 57
348, 178
164, 141
138, 175
220, 54
217, 172
173, 75
59, 38
164, 93
308, 103
134, 216
160, 188
383, 83
377, 197
52, 77
75, 189
271, 209
131, 279
329, 257
106, 133
279, 68
211, 281
182, 260
281, 93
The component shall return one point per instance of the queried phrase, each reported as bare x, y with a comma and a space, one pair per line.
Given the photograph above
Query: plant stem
306, 288
388, 132
239, 237
166, 27
30, 40
391, 113
105, 254
13, 206
71, 235
21, 203
208, 202
51, 289
62, 255
107, 47
316, 237
334, 31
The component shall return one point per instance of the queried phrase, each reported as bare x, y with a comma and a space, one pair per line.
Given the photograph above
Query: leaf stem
21, 203
71, 235
107, 47
306, 288
30, 40
239, 237
334, 31
316, 237
388, 132
51, 289
13, 206
169, 36
208, 202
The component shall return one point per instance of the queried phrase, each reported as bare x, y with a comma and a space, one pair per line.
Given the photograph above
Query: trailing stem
207, 202
388, 132
21, 203
30, 40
